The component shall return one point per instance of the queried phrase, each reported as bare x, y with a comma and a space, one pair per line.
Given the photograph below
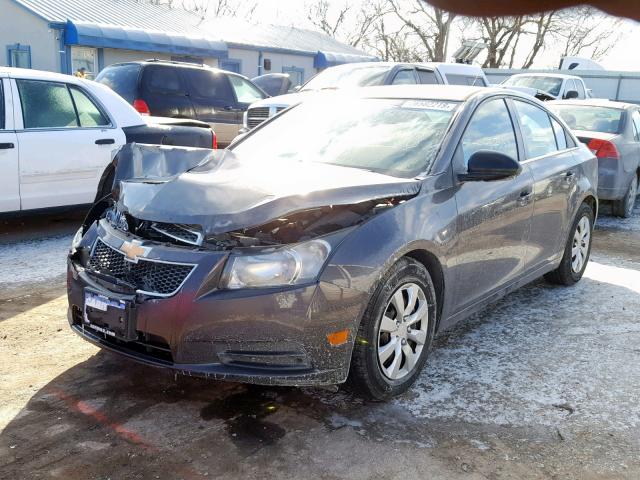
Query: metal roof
140, 16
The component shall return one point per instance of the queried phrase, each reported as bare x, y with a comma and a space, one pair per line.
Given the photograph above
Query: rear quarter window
209, 84
122, 79
469, 80
164, 80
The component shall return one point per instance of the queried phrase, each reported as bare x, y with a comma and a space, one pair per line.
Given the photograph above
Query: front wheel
577, 250
395, 333
624, 207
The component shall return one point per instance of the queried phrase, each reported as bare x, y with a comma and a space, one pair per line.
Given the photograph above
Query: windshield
122, 79
349, 76
396, 137
590, 118
550, 85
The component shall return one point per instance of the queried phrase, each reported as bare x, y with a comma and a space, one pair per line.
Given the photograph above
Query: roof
550, 74
135, 17
453, 93
595, 102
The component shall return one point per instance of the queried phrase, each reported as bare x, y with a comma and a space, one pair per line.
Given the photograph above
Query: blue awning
331, 59
115, 36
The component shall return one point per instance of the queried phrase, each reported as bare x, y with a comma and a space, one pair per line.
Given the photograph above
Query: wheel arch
593, 204
109, 171
433, 266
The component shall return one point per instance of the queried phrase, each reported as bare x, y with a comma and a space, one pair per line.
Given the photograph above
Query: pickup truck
545, 86
59, 134
365, 75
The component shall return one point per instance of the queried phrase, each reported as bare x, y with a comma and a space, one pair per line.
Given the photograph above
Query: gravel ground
544, 384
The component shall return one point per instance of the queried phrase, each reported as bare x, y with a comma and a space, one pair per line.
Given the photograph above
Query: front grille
182, 233
256, 116
147, 276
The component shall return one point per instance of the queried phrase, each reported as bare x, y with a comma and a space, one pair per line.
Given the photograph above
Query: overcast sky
622, 57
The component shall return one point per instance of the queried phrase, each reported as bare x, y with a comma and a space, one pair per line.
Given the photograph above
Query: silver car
611, 130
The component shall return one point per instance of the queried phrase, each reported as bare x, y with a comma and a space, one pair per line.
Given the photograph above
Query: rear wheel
624, 207
395, 334
577, 249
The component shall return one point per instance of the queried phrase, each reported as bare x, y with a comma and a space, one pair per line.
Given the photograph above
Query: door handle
229, 108
105, 141
6, 146
525, 195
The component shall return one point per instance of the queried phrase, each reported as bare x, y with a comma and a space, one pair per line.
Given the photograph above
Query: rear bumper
613, 181
274, 337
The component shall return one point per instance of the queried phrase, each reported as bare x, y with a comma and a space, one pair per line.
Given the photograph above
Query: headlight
77, 238
287, 266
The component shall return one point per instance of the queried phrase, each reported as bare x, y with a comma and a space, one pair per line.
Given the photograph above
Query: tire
624, 207
376, 379
570, 270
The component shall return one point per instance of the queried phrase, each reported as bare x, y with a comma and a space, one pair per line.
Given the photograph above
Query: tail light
214, 142
141, 106
603, 148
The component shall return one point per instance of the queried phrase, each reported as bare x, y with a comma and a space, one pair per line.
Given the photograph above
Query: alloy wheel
580, 248
403, 331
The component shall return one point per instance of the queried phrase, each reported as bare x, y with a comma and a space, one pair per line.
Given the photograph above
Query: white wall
249, 58
18, 25
112, 55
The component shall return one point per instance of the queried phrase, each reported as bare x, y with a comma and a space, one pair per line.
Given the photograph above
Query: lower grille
181, 233
147, 276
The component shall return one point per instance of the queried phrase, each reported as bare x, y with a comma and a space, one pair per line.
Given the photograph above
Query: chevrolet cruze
333, 242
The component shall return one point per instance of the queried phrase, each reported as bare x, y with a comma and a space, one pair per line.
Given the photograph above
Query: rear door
66, 140
9, 167
494, 218
213, 102
549, 155
165, 92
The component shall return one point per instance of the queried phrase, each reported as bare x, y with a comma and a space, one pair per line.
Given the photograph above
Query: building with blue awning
66, 36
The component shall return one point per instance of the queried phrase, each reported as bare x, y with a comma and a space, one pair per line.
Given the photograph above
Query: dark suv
184, 90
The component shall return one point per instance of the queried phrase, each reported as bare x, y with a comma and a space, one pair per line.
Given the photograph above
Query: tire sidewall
406, 272
629, 201
583, 211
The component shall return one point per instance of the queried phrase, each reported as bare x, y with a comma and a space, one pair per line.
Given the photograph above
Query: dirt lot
545, 384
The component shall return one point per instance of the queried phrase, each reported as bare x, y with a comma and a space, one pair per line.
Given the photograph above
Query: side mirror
571, 94
488, 165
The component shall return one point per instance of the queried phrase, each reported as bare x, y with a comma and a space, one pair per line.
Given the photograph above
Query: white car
352, 75
548, 86
59, 134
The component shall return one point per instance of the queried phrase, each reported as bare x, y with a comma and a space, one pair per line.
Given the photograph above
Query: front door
213, 102
9, 167
66, 142
494, 218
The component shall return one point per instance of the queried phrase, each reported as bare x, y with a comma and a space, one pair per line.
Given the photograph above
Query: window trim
20, 48
95, 101
514, 126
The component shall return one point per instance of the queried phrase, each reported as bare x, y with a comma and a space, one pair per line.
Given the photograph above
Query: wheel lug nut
404, 341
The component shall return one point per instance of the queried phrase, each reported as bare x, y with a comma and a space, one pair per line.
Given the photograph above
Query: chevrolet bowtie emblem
133, 250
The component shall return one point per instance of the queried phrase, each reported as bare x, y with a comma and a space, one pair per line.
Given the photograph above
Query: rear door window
427, 77
46, 105
164, 80
635, 118
539, 136
470, 80
210, 85
2, 114
245, 91
122, 79
404, 77
490, 128
88, 112
561, 135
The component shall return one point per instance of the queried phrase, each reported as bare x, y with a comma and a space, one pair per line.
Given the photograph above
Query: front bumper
268, 337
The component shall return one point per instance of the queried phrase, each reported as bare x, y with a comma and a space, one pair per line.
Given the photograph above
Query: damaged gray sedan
333, 242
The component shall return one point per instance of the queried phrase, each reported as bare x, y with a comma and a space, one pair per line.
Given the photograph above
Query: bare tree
544, 24
430, 27
213, 8
587, 31
345, 22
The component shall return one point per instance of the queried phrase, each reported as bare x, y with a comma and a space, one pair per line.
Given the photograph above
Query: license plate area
109, 316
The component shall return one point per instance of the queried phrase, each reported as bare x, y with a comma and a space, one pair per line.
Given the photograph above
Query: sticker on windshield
430, 105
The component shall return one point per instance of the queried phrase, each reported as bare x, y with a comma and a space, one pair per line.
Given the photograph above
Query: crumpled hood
224, 194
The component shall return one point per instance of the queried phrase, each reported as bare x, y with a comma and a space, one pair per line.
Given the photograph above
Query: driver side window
490, 128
